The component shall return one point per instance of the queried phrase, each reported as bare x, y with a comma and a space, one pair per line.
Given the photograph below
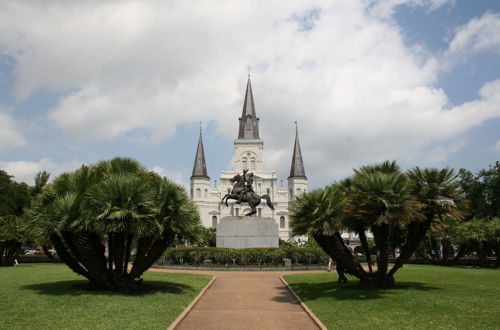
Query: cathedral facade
248, 155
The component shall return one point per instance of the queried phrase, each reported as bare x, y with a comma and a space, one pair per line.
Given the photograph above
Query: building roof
249, 123
200, 166
297, 169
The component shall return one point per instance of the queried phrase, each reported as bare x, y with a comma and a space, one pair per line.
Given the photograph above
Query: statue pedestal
247, 232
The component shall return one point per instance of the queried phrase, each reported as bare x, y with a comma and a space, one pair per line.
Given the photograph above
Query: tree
440, 198
382, 199
97, 215
13, 231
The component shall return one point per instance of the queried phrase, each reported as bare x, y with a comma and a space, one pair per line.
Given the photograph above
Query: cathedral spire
200, 166
297, 169
249, 123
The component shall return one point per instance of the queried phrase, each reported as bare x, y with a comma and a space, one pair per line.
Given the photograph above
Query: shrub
252, 256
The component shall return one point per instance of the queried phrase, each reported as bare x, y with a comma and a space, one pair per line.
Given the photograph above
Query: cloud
496, 147
478, 35
9, 133
341, 69
25, 171
177, 177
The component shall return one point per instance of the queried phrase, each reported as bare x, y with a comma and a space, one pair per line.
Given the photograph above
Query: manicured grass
426, 297
51, 296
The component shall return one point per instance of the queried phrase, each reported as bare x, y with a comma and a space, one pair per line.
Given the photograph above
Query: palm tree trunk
68, 259
381, 236
446, 244
156, 250
130, 238
416, 233
366, 248
483, 261
118, 251
110, 252
334, 246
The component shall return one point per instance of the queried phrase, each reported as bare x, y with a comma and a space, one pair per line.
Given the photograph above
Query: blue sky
417, 81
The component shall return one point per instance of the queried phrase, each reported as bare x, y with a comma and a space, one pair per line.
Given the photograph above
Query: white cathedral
248, 149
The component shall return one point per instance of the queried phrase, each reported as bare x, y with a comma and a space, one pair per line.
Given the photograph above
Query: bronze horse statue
241, 194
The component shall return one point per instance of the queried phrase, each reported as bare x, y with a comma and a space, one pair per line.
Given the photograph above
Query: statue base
247, 232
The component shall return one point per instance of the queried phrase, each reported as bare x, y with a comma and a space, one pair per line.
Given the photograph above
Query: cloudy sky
417, 81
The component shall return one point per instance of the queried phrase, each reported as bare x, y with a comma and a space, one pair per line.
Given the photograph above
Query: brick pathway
246, 300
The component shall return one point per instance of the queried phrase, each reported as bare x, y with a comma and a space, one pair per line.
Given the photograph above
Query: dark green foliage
13, 196
253, 256
483, 190
96, 215
13, 229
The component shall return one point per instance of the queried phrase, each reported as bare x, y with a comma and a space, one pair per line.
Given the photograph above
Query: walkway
246, 300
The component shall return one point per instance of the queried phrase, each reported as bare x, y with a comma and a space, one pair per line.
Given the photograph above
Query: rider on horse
247, 184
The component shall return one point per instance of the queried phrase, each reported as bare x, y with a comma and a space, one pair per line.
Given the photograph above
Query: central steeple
249, 123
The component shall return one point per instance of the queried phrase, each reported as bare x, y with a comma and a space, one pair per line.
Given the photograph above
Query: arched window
252, 164
214, 221
297, 192
244, 163
268, 191
282, 222
198, 193
206, 193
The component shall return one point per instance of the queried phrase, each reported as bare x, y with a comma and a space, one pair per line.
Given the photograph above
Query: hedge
253, 256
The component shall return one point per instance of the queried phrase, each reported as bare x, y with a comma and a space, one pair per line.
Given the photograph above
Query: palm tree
113, 205
440, 197
321, 215
380, 197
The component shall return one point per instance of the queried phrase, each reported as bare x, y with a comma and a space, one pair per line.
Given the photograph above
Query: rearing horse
250, 197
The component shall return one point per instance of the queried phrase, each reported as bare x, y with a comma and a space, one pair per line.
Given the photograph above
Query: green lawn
49, 296
426, 297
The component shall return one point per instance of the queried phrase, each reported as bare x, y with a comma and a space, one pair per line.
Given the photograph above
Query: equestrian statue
243, 192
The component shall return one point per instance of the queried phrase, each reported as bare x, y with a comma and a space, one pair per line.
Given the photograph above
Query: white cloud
9, 133
496, 147
359, 93
480, 34
25, 171
177, 177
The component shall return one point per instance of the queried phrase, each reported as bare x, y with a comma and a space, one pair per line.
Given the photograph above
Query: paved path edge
191, 305
304, 306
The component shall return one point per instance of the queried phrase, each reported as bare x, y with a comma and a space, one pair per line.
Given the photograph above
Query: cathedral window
268, 190
282, 222
206, 193
198, 193
252, 164
291, 193
214, 221
245, 163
